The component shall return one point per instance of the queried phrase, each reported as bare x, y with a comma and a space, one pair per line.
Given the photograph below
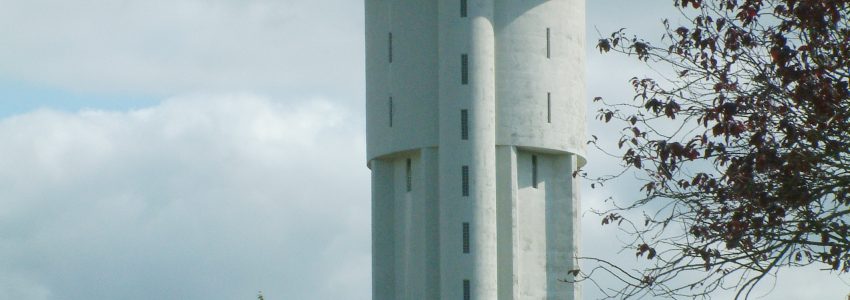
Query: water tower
475, 124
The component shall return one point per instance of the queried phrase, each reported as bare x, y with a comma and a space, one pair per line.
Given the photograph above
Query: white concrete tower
475, 124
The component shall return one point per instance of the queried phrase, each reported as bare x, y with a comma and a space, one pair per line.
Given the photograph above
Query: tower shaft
475, 124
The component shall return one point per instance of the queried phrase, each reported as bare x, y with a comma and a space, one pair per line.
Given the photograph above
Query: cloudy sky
210, 149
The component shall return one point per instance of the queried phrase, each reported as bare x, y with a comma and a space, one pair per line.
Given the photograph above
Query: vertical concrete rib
383, 237
403, 201
472, 36
575, 216
506, 195
560, 228
430, 213
482, 147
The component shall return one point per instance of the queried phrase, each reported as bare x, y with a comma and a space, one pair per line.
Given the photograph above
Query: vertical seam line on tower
463, 8
467, 293
534, 171
409, 175
464, 124
464, 174
464, 69
465, 237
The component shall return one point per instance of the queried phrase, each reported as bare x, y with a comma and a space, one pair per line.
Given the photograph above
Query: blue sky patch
20, 97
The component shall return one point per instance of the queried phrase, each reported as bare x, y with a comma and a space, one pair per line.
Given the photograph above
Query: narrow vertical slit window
464, 124
390, 46
464, 174
463, 8
549, 107
467, 294
464, 69
465, 237
409, 175
534, 171
391, 111
548, 43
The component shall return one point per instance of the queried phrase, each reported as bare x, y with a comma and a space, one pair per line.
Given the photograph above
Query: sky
211, 149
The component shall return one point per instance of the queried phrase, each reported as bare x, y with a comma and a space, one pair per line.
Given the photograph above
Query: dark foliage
745, 150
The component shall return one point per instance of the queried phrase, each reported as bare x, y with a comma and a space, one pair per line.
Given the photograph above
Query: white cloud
165, 47
196, 198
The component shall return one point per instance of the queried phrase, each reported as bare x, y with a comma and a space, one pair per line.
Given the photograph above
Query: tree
743, 151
